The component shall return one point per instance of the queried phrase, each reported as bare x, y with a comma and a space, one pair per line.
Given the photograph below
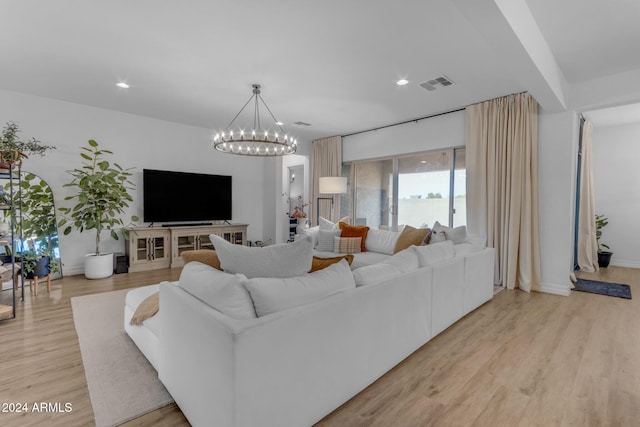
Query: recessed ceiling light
423, 161
279, 123
122, 85
402, 82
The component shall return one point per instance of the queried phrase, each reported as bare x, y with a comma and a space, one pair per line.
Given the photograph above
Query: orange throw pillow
205, 256
320, 263
354, 231
410, 236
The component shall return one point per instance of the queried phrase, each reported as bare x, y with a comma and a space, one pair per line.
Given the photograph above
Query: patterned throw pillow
355, 231
325, 240
347, 245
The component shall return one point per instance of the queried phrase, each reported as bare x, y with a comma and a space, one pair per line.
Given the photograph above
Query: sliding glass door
415, 190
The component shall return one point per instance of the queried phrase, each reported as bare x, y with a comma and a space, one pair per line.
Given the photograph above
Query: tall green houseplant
102, 195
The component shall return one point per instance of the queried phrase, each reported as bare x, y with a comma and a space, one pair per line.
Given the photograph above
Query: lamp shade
332, 185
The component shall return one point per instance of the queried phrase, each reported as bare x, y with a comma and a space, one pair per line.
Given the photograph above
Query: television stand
190, 224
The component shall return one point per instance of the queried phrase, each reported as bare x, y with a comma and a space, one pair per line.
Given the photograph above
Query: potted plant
604, 256
13, 149
102, 195
38, 227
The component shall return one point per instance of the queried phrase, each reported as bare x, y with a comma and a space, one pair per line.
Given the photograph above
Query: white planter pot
98, 266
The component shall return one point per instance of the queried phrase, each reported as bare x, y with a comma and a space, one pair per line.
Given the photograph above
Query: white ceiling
330, 63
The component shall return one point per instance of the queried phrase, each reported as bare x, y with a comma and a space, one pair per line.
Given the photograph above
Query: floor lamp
330, 185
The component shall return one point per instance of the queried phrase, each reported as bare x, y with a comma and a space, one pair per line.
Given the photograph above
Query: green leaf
93, 143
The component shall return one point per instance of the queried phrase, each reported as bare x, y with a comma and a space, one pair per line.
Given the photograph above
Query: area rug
122, 383
603, 288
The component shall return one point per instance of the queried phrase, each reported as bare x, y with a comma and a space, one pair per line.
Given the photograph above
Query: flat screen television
183, 196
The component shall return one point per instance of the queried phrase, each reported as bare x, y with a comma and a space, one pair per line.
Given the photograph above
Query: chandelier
256, 141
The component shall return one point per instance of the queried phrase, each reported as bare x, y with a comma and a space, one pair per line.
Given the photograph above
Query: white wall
425, 135
616, 171
557, 155
136, 141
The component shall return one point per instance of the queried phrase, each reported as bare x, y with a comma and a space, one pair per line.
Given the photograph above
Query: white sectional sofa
293, 367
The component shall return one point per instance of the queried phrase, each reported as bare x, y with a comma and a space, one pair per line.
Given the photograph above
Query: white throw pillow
435, 253
325, 240
406, 260
456, 235
325, 224
271, 295
375, 273
283, 260
381, 241
313, 233
223, 291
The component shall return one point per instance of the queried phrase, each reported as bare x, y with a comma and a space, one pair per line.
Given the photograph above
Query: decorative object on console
258, 141
330, 185
102, 195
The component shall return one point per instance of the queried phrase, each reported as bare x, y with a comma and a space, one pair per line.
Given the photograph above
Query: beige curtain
326, 160
502, 185
587, 242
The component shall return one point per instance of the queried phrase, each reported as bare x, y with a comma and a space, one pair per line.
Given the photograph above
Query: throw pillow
325, 240
410, 236
355, 231
313, 233
405, 260
223, 291
321, 263
347, 245
205, 256
271, 295
457, 234
325, 224
381, 241
283, 260
435, 253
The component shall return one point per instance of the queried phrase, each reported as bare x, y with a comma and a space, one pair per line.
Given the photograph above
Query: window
416, 190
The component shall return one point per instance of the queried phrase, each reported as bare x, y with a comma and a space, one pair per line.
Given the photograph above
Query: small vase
303, 224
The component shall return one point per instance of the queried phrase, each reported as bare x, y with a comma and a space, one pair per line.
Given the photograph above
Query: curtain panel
587, 240
502, 185
326, 160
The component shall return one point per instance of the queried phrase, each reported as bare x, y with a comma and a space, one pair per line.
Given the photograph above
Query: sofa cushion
223, 291
434, 253
410, 236
283, 260
205, 256
347, 245
325, 240
462, 249
405, 261
382, 241
355, 231
320, 263
271, 295
375, 273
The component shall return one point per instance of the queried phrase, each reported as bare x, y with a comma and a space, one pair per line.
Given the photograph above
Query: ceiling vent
436, 83
302, 124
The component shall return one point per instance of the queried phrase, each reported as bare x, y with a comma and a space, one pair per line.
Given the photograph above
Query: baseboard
552, 288
625, 263
72, 270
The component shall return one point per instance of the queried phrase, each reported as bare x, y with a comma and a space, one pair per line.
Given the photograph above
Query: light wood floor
519, 360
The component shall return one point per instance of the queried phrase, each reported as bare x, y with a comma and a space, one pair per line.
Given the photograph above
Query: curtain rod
426, 117
404, 123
